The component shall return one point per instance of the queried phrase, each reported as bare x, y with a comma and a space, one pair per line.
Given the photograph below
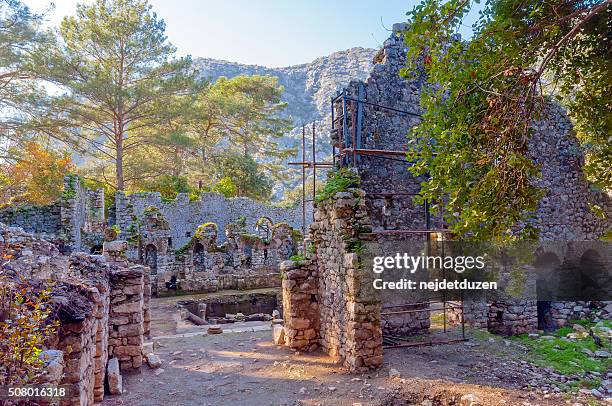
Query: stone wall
185, 216
90, 293
75, 222
300, 291
243, 261
345, 311
563, 214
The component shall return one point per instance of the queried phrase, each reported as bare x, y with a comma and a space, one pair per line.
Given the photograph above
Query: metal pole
333, 127
354, 132
303, 180
344, 129
314, 166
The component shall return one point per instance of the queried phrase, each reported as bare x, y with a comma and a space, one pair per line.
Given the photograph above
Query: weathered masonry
327, 300
75, 222
102, 302
209, 244
244, 261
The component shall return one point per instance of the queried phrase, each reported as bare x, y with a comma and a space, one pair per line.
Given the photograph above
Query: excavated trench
247, 304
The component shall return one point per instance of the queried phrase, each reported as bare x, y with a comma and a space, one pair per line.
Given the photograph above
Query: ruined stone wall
346, 309
185, 216
244, 261
90, 294
74, 222
301, 312
126, 320
563, 214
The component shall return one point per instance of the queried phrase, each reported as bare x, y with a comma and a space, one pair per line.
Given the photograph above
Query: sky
271, 33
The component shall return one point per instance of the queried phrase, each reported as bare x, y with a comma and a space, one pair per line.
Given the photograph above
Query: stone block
113, 374
153, 360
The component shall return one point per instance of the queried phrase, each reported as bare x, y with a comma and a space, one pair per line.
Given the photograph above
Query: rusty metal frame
312, 164
349, 155
355, 150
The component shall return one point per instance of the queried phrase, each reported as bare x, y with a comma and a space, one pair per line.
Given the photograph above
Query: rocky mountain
309, 86
308, 91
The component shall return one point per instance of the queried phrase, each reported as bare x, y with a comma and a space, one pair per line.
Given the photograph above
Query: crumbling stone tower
327, 298
371, 123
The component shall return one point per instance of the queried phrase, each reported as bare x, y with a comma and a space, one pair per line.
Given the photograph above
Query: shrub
26, 325
338, 181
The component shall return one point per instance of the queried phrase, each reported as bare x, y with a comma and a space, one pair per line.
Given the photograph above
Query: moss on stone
70, 190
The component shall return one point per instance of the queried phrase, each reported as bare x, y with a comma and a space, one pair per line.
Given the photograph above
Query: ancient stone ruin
328, 299
102, 303
103, 271
205, 245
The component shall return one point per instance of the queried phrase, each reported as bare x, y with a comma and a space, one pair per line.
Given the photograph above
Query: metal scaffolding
349, 154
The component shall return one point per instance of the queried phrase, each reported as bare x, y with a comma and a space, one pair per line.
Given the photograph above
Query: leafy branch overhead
485, 95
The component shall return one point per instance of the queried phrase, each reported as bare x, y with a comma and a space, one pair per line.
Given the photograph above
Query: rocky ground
246, 368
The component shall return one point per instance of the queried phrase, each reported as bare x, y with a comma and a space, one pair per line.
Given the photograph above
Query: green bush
338, 181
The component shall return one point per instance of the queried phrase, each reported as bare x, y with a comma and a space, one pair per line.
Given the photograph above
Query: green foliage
26, 327
338, 181
20, 31
566, 356
482, 97
116, 229
115, 69
293, 197
226, 187
203, 229
297, 258
251, 238
169, 186
245, 174
70, 188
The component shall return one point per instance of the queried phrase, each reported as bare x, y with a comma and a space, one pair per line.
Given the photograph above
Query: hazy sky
272, 33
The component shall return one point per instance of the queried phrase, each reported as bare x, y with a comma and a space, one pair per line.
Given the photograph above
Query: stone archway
150, 258
199, 257
264, 227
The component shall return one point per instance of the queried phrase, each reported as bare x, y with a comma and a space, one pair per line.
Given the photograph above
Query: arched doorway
150, 258
199, 258
264, 228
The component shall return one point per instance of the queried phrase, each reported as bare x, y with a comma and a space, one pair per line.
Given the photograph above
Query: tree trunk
119, 163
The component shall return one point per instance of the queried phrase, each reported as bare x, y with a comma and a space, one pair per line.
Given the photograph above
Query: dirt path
246, 368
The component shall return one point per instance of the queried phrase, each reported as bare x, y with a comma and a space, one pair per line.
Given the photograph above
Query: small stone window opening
169, 241
188, 234
500, 315
265, 252
313, 299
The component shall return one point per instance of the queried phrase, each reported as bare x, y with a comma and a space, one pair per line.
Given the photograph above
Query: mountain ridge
308, 86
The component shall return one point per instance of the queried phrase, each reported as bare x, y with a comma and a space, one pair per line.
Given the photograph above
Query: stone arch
150, 257
199, 257
264, 227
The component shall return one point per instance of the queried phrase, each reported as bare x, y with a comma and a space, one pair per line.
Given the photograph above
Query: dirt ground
242, 366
